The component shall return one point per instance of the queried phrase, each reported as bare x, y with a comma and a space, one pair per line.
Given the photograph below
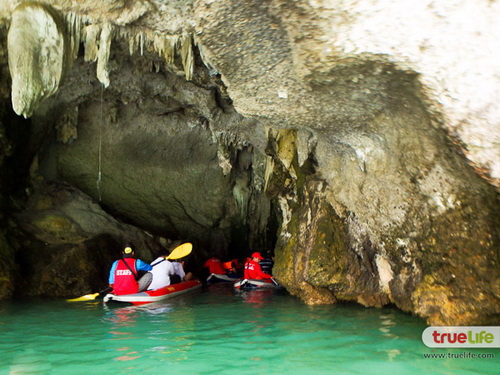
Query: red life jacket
253, 271
125, 282
214, 265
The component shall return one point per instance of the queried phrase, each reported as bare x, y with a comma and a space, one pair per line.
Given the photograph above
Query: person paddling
162, 272
214, 265
253, 269
181, 272
232, 267
124, 274
166, 272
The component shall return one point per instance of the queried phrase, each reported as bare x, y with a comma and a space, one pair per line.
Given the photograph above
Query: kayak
215, 277
256, 284
156, 295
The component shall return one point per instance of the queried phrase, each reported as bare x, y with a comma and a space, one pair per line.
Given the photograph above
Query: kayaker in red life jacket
214, 265
253, 269
232, 267
124, 277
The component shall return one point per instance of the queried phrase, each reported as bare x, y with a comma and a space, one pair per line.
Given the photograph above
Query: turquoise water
218, 331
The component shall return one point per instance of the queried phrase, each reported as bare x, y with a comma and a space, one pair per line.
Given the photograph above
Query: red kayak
256, 284
155, 295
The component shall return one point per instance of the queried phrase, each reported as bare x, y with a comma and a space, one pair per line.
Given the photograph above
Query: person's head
256, 256
128, 250
268, 254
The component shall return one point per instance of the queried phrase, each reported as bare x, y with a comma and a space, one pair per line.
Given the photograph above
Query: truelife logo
462, 337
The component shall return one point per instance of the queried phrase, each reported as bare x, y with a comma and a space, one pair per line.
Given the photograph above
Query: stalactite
212, 71
136, 41
141, 38
268, 171
165, 46
286, 141
305, 145
159, 44
103, 54
92, 33
187, 56
126, 35
241, 194
37, 55
171, 45
97, 40
74, 32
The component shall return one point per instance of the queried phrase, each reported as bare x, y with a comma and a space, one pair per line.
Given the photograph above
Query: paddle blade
181, 251
87, 297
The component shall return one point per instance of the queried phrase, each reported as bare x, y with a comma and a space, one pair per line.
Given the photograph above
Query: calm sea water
216, 330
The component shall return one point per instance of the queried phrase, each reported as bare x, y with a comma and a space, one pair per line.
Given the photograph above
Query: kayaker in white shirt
162, 270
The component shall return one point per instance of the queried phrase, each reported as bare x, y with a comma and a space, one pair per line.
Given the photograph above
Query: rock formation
358, 140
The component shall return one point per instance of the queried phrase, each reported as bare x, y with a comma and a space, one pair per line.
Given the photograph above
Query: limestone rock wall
375, 122
153, 150
294, 55
72, 242
327, 252
371, 142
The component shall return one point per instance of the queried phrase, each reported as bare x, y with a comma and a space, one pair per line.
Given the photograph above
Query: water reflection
256, 298
387, 325
392, 353
161, 328
29, 361
122, 316
387, 321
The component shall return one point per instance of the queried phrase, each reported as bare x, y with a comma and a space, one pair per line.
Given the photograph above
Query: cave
159, 124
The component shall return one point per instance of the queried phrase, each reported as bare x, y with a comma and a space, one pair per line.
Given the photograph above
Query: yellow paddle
179, 252
89, 297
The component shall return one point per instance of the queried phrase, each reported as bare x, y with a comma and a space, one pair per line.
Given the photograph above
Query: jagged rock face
328, 253
296, 57
150, 151
343, 130
72, 243
392, 178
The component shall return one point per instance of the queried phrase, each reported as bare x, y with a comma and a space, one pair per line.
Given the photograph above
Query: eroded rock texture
69, 236
149, 150
362, 146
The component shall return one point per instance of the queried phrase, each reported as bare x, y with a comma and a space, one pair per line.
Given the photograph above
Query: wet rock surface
71, 242
280, 125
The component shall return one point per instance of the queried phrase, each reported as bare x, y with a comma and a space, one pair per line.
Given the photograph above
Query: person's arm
262, 273
142, 266
170, 269
180, 270
111, 279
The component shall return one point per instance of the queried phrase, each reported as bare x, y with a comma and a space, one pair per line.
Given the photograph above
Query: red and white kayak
215, 277
156, 295
254, 284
